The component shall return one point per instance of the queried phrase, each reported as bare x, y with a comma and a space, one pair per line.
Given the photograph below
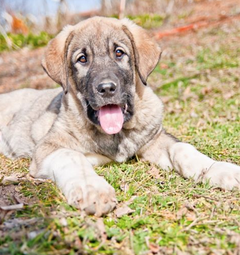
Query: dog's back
19, 115
13, 102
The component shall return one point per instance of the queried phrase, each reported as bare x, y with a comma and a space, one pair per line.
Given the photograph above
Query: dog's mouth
110, 117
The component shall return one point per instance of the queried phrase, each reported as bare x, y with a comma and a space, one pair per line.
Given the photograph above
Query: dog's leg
76, 178
169, 153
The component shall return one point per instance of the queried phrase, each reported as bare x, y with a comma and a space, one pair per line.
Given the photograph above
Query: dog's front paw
94, 196
224, 175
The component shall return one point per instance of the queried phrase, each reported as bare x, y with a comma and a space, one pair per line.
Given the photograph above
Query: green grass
156, 218
171, 215
19, 41
146, 20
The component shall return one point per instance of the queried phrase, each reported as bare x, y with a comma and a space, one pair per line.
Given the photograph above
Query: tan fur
148, 51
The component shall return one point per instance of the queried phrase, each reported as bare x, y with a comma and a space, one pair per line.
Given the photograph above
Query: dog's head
101, 59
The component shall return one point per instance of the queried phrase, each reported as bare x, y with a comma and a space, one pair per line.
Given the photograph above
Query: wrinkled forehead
100, 35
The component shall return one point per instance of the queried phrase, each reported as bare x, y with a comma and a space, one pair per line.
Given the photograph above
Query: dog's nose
107, 89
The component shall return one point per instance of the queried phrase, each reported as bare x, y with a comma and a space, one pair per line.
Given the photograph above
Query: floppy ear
147, 51
54, 56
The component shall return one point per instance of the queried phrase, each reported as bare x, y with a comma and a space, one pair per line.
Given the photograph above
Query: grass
19, 40
41, 39
148, 20
171, 215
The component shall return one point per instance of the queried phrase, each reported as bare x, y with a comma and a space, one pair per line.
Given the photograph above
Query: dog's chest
117, 147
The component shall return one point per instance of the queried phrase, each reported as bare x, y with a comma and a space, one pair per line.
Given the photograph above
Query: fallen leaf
154, 172
193, 114
78, 243
131, 200
229, 95
11, 207
166, 99
63, 222
12, 179
187, 92
206, 90
191, 216
123, 210
17, 223
168, 215
163, 66
101, 229
124, 187
189, 206
181, 212
154, 248
187, 211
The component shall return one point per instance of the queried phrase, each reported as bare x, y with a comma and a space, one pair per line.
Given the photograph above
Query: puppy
103, 112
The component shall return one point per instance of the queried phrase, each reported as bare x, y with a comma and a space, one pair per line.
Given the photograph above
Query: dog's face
100, 59
103, 70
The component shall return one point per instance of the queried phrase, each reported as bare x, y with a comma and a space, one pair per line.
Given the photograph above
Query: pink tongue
111, 119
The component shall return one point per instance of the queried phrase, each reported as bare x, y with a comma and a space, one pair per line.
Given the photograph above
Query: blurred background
26, 26
33, 17
23, 16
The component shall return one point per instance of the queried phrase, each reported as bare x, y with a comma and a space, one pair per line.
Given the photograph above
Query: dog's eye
119, 53
82, 59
